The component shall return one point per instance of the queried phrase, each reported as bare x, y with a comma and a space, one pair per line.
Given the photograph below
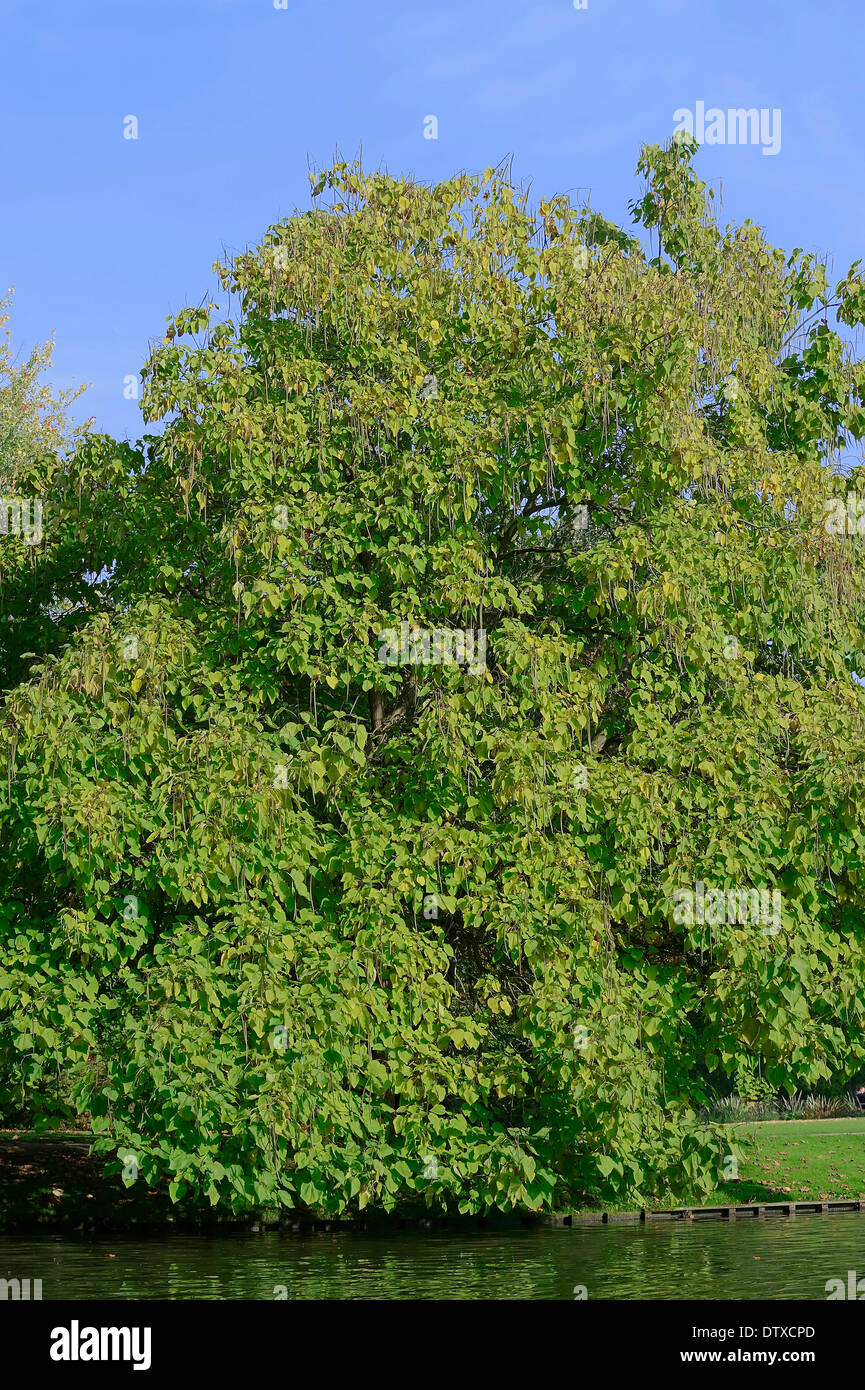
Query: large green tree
296, 924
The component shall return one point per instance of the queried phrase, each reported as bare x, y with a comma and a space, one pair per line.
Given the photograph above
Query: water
773, 1258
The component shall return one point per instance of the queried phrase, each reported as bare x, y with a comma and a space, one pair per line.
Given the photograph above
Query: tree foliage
295, 925
44, 586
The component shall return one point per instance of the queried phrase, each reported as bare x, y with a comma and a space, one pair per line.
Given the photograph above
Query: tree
52, 495
316, 893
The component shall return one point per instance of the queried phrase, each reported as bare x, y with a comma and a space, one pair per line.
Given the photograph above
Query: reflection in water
772, 1258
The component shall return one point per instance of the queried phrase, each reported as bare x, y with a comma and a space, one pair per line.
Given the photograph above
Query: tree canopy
297, 924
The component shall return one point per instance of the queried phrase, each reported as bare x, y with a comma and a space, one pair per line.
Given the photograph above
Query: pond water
770, 1258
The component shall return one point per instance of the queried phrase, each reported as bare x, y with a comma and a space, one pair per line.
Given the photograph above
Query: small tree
50, 533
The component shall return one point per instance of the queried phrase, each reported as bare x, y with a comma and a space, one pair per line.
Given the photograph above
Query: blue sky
103, 237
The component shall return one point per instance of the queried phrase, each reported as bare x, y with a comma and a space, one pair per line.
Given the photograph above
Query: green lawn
801, 1160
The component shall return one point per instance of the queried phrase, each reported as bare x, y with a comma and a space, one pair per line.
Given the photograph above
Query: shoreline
51, 1184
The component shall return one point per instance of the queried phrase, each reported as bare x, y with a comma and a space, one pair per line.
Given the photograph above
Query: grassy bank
787, 1160
50, 1180
799, 1160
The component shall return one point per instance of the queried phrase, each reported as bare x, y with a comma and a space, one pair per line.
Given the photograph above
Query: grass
783, 1161
797, 1160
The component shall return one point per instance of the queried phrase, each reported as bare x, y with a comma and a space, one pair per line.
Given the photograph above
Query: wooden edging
725, 1213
